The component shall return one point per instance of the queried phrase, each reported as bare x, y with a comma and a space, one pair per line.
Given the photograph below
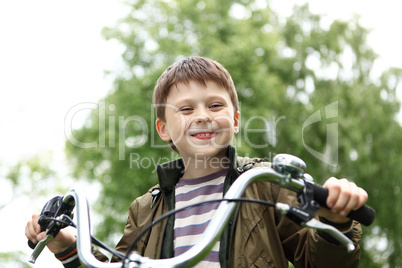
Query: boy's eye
215, 105
185, 109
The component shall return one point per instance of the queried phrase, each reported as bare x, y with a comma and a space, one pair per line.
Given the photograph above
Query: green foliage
29, 182
35, 168
286, 74
14, 259
32, 177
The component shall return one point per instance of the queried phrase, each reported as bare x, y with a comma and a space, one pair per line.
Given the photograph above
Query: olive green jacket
256, 235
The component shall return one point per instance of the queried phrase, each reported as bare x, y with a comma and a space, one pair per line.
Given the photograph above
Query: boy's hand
63, 240
343, 197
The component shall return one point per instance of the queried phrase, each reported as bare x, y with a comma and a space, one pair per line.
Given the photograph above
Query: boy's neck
200, 167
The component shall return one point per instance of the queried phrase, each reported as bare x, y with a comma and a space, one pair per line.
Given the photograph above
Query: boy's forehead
178, 89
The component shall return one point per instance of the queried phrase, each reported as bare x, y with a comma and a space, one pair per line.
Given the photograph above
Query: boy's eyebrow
190, 100
181, 101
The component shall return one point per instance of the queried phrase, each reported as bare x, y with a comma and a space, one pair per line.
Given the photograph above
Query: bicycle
287, 171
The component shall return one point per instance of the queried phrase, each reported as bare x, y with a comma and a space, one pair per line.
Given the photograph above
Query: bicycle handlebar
288, 175
211, 234
84, 244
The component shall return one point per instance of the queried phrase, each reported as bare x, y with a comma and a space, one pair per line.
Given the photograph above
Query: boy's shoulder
148, 199
246, 163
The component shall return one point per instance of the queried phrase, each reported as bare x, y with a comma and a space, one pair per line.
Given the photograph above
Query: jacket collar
169, 173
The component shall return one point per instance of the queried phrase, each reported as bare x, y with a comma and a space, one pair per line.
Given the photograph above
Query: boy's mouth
204, 135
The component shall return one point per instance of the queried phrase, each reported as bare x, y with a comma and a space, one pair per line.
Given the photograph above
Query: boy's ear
236, 122
162, 130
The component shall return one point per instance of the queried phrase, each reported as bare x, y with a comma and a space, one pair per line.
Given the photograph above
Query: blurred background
75, 77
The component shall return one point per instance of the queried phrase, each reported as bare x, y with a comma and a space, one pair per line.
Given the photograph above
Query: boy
198, 115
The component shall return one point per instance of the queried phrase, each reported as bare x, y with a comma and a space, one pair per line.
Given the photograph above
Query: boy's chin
209, 153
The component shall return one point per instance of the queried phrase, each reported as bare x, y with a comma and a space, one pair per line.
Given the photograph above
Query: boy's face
200, 121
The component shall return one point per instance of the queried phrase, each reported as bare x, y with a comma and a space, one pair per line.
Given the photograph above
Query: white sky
52, 57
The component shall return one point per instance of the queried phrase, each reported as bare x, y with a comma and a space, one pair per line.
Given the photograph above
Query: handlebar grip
49, 210
31, 244
365, 215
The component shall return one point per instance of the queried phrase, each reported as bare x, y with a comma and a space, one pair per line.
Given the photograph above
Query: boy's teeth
203, 134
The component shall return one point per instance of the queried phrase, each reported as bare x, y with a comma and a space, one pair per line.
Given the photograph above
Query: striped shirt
191, 223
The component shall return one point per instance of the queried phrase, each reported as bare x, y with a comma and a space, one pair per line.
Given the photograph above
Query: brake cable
174, 211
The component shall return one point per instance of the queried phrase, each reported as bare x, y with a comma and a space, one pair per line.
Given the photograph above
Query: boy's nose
203, 116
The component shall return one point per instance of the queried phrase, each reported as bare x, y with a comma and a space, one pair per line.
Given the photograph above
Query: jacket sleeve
69, 257
130, 231
143, 211
305, 247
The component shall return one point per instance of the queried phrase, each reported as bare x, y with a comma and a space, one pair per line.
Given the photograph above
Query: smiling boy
200, 120
198, 115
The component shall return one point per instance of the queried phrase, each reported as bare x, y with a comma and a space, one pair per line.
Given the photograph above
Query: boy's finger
334, 189
35, 223
350, 198
363, 197
30, 232
349, 206
346, 199
40, 236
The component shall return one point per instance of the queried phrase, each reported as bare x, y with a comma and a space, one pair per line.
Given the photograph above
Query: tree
30, 181
303, 90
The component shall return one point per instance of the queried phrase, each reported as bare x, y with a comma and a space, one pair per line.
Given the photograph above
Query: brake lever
51, 232
49, 210
303, 218
38, 248
332, 231
304, 215
54, 208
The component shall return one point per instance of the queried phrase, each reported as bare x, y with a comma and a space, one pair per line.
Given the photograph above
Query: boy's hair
195, 68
